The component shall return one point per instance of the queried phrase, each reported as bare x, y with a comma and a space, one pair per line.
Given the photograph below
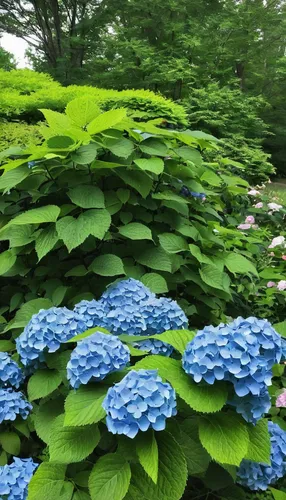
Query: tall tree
7, 60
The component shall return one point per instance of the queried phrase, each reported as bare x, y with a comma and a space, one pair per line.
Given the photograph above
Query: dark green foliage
7, 60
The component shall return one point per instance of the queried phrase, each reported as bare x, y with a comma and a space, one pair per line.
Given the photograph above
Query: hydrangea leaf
83, 407
71, 444
225, 437
172, 473
81, 495
122, 148
27, 310
176, 338
237, 263
46, 240
281, 328
45, 417
86, 196
277, 494
7, 260
147, 451
82, 110
13, 177
140, 181
187, 435
6, 346
259, 442
109, 478
172, 243
155, 282
107, 265
49, 483
206, 399
155, 258
49, 213
10, 442
154, 165
153, 146
136, 231
214, 277
106, 120
42, 383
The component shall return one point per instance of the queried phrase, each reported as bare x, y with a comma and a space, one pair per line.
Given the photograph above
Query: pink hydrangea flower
271, 284
279, 240
253, 192
274, 207
283, 257
281, 400
250, 219
244, 226
259, 205
281, 285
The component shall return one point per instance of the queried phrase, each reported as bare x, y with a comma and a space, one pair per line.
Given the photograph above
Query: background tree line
224, 59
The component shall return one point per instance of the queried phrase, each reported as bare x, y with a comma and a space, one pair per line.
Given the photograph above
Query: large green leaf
107, 265
155, 282
46, 240
147, 451
187, 435
237, 263
136, 231
278, 494
45, 417
10, 179
84, 406
10, 442
87, 196
281, 328
172, 243
122, 148
48, 482
196, 252
42, 383
155, 258
205, 399
154, 165
109, 478
85, 154
82, 110
58, 122
27, 310
214, 277
259, 442
49, 213
172, 474
71, 444
225, 437
7, 260
154, 146
106, 120
191, 154
140, 181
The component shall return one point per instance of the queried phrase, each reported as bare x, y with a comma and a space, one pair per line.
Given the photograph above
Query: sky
16, 46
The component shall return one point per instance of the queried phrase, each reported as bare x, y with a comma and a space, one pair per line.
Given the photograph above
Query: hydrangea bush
157, 404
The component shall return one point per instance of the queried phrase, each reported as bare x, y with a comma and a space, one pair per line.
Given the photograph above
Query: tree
7, 60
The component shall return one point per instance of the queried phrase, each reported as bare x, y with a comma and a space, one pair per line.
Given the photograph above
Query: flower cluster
46, 331
93, 312
277, 242
249, 223
281, 400
281, 285
12, 404
254, 192
258, 476
14, 478
252, 408
10, 373
95, 357
154, 346
139, 402
274, 207
242, 353
128, 292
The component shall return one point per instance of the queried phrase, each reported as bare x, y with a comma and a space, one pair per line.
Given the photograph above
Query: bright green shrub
18, 134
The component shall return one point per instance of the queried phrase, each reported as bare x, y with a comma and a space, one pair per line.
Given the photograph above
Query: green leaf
45, 417
48, 482
59, 295
27, 310
81, 495
205, 399
72, 444
277, 494
49, 213
85, 154
259, 442
79, 270
172, 243
196, 252
237, 263
140, 181
82, 110
225, 437
7, 260
74, 232
7, 345
46, 240
172, 475
10, 442
281, 328
84, 406
18, 235
107, 265
154, 165
211, 178
42, 383
154, 147
106, 120
57, 121
63, 142
123, 195
147, 451
187, 435
155, 258
122, 148
87, 196
10, 179
155, 282
214, 277
109, 478
136, 231
170, 196
87, 333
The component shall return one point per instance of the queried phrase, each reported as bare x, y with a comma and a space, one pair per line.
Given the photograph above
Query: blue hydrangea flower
186, 192
12, 404
163, 314
252, 408
10, 373
95, 357
128, 320
154, 346
139, 402
283, 347
92, 312
258, 476
124, 293
46, 331
14, 478
242, 353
